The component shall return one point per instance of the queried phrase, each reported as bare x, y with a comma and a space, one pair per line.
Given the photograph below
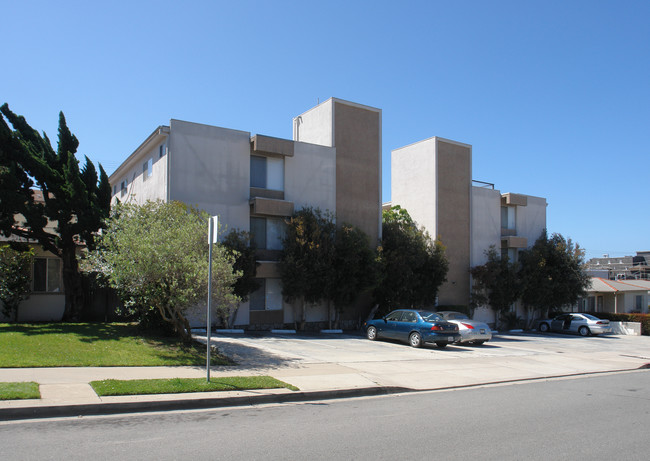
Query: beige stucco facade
334, 164
431, 179
355, 131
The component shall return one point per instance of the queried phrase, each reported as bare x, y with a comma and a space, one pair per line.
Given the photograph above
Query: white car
583, 324
471, 331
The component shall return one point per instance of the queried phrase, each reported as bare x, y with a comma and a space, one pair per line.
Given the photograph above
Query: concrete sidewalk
66, 392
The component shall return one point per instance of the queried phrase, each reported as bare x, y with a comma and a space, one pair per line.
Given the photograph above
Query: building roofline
341, 101
435, 138
161, 132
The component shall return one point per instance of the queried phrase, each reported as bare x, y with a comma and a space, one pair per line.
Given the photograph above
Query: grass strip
94, 345
18, 391
109, 387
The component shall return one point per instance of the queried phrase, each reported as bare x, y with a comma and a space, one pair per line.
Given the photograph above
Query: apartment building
432, 180
253, 182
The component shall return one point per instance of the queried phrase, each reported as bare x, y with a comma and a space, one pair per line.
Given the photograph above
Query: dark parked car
583, 324
413, 326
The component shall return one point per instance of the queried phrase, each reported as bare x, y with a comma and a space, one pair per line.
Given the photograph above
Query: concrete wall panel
210, 168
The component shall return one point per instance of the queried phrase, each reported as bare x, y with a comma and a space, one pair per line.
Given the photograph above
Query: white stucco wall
413, 182
141, 189
316, 125
210, 169
486, 223
531, 219
310, 177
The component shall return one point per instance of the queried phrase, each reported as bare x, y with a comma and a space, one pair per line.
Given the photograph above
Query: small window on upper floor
268, 233
161, 151
508, 217
267, 172
147, 169
114, 189
123, 187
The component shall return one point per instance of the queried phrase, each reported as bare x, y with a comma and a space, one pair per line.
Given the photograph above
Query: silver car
471, 331
583, 324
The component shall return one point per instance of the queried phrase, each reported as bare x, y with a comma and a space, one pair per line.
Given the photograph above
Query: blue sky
554, 96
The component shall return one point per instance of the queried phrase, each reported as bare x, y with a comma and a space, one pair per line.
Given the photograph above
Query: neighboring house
254, 182
616, 296
622, 267
46, 300
432, 179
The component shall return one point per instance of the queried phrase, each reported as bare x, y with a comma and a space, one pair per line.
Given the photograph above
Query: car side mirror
384, 319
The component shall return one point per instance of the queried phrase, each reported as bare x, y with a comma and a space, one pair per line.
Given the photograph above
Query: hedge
643, 319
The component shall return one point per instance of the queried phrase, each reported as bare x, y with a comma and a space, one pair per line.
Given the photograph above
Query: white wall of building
310, 177
318, 124
486, 223
211, 171
413, 182
531, 219
140, 186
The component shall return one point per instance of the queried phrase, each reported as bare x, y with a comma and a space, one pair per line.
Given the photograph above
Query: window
508, 217
268, 297
258, 171
147, 169
46, 276
409, 317
123, 186
114, 189
394, 317
267, 232
161, 151
638, 303
267, 172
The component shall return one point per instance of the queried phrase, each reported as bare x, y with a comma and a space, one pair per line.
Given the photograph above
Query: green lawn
15, 391
94, 345
180, 385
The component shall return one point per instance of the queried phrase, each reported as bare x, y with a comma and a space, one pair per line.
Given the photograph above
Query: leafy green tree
353, 270
241, 248
308, 252
495, 283
156, 256
413, 266
15, 278
552, 274
75, 201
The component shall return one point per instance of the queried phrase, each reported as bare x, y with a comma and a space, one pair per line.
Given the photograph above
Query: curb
113, 408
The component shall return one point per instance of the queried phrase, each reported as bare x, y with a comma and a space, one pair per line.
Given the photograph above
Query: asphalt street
596, 417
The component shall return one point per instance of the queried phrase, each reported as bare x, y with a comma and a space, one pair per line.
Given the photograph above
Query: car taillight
436, 327
467, 326
601, 323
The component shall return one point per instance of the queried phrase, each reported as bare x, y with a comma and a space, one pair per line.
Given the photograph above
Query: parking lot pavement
278, 350
327, 360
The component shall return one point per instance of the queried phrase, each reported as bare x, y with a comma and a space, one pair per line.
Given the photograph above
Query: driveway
359, 362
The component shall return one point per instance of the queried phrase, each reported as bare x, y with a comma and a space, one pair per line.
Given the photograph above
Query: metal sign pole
211, 233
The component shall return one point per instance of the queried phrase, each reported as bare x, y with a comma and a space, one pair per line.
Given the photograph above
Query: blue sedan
414, 326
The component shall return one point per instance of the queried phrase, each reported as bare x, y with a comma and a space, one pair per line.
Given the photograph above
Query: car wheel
371, 333
584, 331
479, 343
415, 339
543, 327
442, 344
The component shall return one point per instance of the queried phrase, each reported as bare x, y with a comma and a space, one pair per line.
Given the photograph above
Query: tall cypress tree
75, 200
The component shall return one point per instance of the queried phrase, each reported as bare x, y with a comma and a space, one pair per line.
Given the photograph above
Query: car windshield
590, 317
430, 316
